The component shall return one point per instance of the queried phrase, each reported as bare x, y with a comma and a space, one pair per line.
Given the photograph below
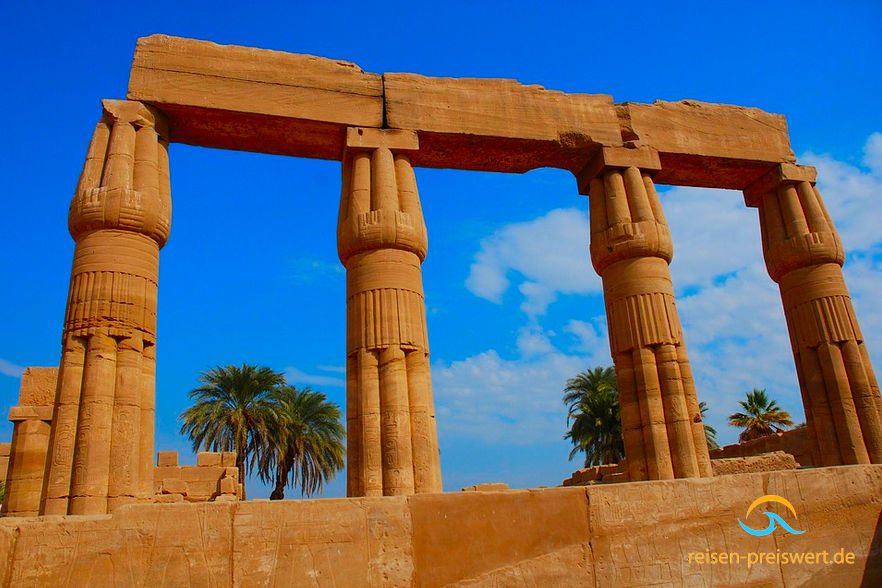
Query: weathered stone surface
232, 97
208, 458
140, 545
38, 386
4, 460
361, 542
24, 465
839, 508
275, 102
765, 462
498, 125
462, 535
795, 442
710, 145
641, 534
174, 486
631, 248
804, 255
486, 487
167, 459
392, 440
635, 534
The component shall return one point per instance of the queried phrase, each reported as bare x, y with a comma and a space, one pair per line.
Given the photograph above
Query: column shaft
804, 255
631, 249
101, 448
392, 438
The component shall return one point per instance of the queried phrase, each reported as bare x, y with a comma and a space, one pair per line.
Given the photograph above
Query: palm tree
306, 447
233, 411
710, 433
762, 416
592, 399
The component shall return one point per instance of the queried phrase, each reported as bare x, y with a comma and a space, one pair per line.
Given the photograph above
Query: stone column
381, 239
120, 217
804, 256
32, 422
631, 249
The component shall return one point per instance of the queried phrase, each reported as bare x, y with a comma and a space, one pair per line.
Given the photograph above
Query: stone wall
4, 460
795, 442
606, 535
213, 476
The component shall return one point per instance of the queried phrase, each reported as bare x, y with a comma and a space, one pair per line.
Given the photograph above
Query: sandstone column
32, 421
631, 249
381, 239
101, 448
804, 256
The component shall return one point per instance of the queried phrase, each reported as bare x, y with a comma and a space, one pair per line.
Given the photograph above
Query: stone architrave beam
250, 99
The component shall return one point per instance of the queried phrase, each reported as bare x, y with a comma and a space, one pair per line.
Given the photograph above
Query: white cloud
550, 253
332, 368
10, 369
873, 153
515, 402
299, 377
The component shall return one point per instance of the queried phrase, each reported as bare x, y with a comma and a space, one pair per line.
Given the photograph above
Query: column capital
30, 413
138, 114
782, 173
645, 158
368, 138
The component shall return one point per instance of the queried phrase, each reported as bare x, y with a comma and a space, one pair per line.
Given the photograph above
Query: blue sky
250, 273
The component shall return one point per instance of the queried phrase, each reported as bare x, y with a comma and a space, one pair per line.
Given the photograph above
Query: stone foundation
633, 534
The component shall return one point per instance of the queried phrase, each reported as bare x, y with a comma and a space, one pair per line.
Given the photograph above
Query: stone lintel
30, 413
371, 138
783, 173
645, 158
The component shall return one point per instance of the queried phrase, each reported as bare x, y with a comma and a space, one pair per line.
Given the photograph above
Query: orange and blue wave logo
774, 519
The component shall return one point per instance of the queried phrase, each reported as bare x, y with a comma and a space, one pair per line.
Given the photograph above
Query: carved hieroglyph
101, 448
804, 255
381, 238
631, 249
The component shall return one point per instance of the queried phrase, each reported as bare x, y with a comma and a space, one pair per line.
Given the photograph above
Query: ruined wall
214, 475
623, 535
795, 442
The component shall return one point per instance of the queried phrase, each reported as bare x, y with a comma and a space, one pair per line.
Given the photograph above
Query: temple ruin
86, 447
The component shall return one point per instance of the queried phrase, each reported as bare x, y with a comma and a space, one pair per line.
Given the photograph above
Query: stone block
232, 472
166, 459
333, 542
765, 462
168, 498
464, 535
208, 459
229, 485
498, 125
228, 459
710, 145
249, 99
38, 386
487, 487
174, 486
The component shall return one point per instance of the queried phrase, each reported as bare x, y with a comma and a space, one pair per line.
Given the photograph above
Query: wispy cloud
298, 377
8, 368
544, 252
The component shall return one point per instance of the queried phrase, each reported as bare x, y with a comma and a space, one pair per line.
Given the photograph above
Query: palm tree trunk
281, 478
240, 463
